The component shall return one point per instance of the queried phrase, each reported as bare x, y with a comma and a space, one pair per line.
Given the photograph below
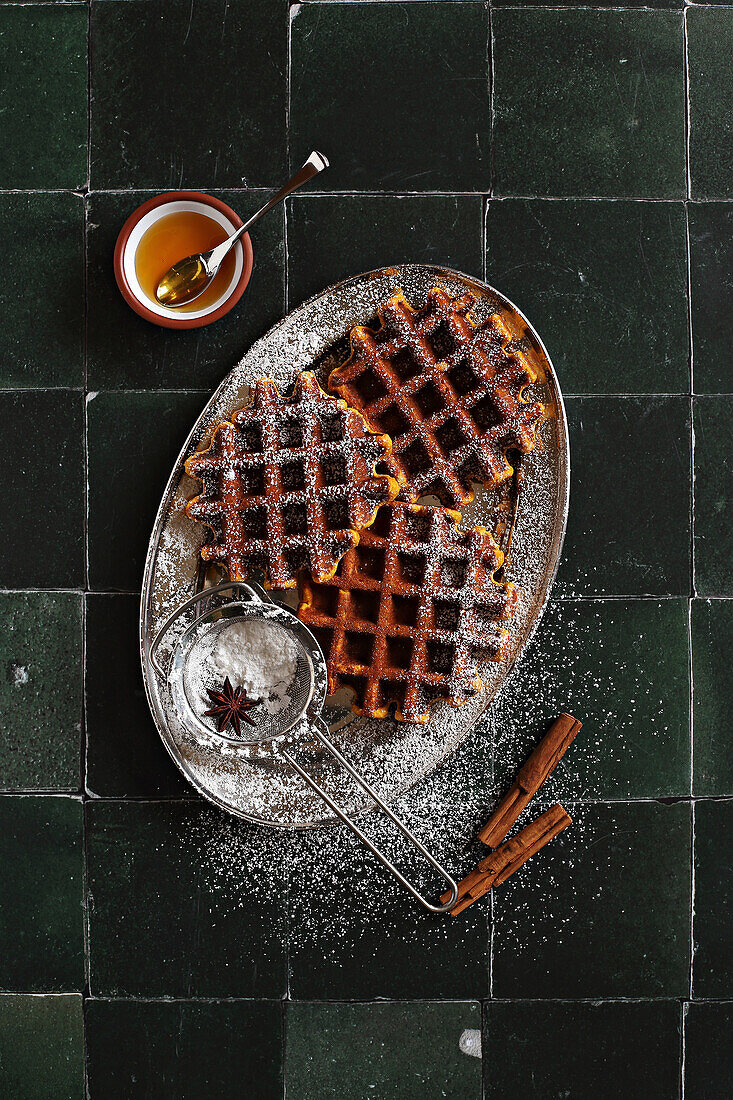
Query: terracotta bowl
140, 221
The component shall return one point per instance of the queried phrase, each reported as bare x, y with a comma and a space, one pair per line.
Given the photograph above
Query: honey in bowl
172, 238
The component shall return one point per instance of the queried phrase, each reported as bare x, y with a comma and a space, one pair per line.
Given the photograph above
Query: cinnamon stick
530, 777
496, 868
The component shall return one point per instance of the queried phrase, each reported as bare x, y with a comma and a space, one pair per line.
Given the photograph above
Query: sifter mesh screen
273, 717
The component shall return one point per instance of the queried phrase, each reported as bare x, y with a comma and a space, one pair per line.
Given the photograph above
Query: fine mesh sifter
192, 632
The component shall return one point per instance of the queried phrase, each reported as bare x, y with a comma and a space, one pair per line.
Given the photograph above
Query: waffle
411, 612
448, 391
288, 483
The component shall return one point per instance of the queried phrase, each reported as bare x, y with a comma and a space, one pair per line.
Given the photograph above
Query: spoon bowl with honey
188, 279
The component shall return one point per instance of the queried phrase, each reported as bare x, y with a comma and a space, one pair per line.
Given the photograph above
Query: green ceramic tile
712, 640
355, 934
709, 45
605, 285
42, 504
126, 352
43, 59
708, 1051
621, 667
406, 1051
629, 523
41, 236
331, 238
597, 3
603, 911
712, 970
711, 267
191, 1051
713, 492
125, 756
41, 1047
188, 97
140, 434
599, 108
41, 920
382, 91
538, 1050
40, 691
160, 924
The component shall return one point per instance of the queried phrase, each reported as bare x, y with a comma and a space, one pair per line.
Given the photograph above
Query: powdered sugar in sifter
192, 629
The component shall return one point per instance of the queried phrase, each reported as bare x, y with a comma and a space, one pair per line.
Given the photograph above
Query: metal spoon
189, 278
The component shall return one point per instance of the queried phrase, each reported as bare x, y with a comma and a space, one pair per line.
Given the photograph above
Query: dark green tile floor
42, 503
156, 70
42, 1046
710, 40
381, 88
577, 157
709, 1052
711, 275
356, 1054
190, 1050
629, 527
589, 103
156, 925
43, 58
604, 282
140, 433
43, 895
617, 1050
39, 235
41, 690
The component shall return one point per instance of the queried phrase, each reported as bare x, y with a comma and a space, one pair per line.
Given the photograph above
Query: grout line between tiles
511, 7
196, 799
284, 1011
673, 10
691, 353
683, 1047
492, 94
173, 998
686, 80
692, 929
490, 919
85, 429
590, 1001
314, 196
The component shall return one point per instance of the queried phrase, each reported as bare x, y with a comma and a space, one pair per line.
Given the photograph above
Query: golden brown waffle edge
288, 483
448, 390
408, 611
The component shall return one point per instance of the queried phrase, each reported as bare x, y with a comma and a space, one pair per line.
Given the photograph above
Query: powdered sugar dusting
254, 655
392, 755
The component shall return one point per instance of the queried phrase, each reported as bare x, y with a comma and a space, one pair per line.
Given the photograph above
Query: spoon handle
316, 163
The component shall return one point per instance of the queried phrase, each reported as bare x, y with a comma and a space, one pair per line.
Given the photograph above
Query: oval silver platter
391, 755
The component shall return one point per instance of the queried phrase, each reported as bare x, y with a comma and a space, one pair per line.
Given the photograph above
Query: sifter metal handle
321, 731
199, 596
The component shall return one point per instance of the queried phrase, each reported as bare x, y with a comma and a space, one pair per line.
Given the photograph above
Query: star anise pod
230, 707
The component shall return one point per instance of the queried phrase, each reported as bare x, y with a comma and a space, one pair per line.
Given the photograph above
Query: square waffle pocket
288, 483
411, 612
449, 391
